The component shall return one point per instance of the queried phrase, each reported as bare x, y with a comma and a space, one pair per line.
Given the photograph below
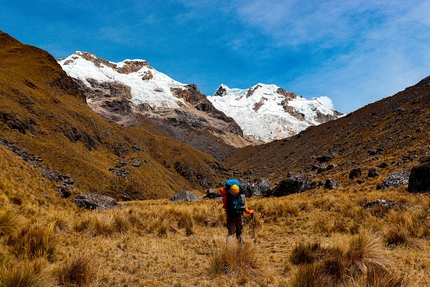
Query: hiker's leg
239, 229
231, 228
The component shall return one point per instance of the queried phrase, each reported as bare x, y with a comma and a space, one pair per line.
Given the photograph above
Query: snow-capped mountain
125, 91
148, 86
268, 112
128, 91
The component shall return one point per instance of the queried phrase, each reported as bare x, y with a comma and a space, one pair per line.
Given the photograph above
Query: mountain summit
124, 92
217, 125
268, 112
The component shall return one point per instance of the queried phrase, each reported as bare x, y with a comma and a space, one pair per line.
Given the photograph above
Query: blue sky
353, 51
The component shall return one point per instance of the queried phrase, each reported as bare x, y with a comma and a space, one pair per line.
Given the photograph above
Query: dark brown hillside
395, 131
44, 114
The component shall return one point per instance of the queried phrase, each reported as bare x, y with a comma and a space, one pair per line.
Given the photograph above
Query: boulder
383, 203
382, 165
293, 184
395, 179
96, 201
356, 172
260, 187
373, 172
419, 179
63, 191
324, 158
331, 184
137, 163
425, 159
185, 195
212, 194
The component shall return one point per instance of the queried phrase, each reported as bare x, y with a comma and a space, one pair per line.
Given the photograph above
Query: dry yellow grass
161, 243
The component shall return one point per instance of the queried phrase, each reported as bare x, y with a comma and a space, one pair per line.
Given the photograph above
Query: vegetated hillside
393, 131
43, 116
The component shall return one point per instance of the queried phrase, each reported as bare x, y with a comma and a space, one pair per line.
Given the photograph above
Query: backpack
235, 204
230, 182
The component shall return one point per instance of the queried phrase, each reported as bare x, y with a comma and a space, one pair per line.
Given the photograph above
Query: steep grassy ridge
42, 111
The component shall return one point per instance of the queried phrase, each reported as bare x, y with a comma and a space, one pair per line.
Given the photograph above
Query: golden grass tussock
80, 271
234, 259
361, 261
34, 241
10, 222
21, 275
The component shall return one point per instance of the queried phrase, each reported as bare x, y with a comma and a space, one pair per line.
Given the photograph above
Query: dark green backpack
235, 204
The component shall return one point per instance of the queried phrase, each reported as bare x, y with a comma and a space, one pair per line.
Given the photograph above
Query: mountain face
123, 92
389, 135
268, 112
45, 120
232, 118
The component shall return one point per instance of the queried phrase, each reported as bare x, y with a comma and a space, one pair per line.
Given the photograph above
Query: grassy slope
160, 243
58, 126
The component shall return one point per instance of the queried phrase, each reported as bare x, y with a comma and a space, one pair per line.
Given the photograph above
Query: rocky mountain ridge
123, 91
268, 112
127, 91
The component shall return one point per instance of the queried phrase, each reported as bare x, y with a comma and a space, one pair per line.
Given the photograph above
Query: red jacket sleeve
223, 193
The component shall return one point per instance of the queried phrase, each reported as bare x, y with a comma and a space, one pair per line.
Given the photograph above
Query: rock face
96, 201
419, 179
293, 184
395, 179
185, 195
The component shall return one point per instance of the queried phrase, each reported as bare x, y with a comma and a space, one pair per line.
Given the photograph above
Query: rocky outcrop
96, 201
259, 187
293, 184
331, 184
355, 173
198, 123
382, 203
419, 179
212, 194
395, 179
185, 195
373, 172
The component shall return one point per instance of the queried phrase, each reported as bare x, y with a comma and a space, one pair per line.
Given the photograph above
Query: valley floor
162, 243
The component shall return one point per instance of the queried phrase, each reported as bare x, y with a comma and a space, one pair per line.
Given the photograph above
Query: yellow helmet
234, 189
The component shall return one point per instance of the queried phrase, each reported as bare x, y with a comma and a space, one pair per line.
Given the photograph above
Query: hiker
234, 205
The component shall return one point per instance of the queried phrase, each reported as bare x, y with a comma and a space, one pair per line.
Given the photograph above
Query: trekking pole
253, 228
